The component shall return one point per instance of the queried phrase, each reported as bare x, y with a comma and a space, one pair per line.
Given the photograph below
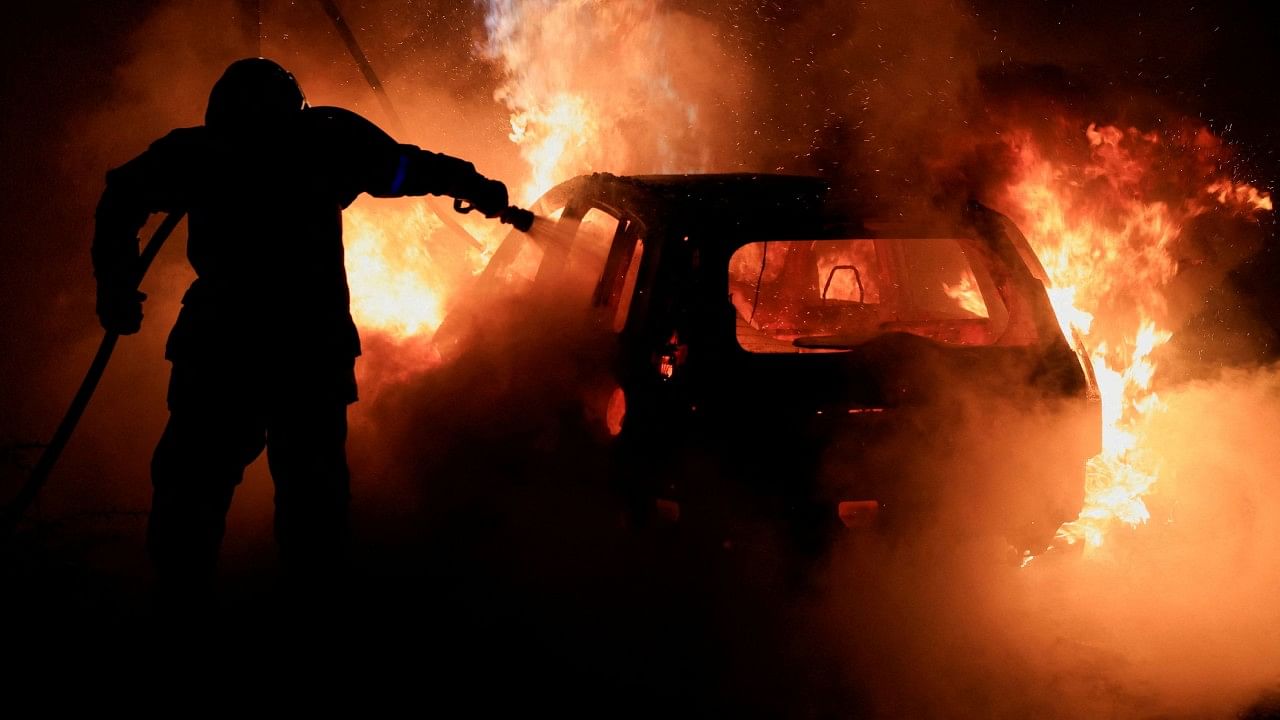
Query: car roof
722, 184
757, 204
719, 198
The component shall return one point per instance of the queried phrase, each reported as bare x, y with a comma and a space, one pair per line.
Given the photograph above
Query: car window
631, 275
588, 251
594, 257
940, 280
516, 262
569, 257
523, 268
830, 295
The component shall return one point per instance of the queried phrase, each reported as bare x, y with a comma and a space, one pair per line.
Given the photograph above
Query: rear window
831, 295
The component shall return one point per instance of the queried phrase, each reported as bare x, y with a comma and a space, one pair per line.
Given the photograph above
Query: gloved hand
489, 197
120, 309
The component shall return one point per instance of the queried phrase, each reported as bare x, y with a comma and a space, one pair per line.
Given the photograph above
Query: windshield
831, 295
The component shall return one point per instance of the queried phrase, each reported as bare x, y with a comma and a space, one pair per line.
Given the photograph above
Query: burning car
777, 351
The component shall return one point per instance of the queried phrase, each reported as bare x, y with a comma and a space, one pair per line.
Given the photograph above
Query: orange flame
389, 272
1105, 238
1228, 193
967, 295
404, 266
616, 85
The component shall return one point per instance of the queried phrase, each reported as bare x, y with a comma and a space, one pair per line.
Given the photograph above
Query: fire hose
12, 513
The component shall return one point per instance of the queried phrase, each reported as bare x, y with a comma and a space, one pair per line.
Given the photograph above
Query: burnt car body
772, 351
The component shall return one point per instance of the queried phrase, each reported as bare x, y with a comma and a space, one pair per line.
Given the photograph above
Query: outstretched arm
422, 172
146, 184
386, 168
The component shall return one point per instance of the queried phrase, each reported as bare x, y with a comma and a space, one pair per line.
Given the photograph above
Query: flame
404, 267
1104, 226
617, 85
387, 272
1228, 193
590, 85
551, 136
967, 296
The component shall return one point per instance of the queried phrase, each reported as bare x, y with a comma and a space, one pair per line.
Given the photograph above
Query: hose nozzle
519, 218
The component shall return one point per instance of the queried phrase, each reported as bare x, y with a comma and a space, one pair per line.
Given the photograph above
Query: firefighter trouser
215, 430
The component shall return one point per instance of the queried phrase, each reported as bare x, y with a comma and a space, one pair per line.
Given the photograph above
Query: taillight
670, 357
858, 513
616, 411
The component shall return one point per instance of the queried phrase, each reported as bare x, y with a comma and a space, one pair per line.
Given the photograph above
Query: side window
832, 295
621, 276
523, 268
588, 252
630, 277
593, 257
515, 263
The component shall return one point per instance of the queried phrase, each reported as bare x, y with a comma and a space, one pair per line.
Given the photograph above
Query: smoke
1171, 620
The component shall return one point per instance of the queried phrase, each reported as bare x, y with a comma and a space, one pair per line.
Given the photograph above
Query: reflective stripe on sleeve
401, 171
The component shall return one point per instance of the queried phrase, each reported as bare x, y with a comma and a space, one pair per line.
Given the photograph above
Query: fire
624, 86
1104, 227
404, 266
589, 86
598, 85
560, 133
389, 291
1228, 193
967, 296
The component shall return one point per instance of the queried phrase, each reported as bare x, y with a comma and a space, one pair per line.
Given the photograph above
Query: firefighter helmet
251, 93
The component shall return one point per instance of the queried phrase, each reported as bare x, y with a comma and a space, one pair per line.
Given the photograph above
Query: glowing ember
1103, 226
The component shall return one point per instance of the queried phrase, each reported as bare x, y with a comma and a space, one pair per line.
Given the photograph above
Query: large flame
405, 267
623, 86
619, 85
1104, 226
391, 272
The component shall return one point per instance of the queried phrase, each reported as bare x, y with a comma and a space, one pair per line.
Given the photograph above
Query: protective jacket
265, 228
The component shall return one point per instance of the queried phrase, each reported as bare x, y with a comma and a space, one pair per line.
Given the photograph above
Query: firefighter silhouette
264, 348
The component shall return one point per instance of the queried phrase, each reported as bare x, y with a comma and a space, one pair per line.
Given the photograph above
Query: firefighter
264, 348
